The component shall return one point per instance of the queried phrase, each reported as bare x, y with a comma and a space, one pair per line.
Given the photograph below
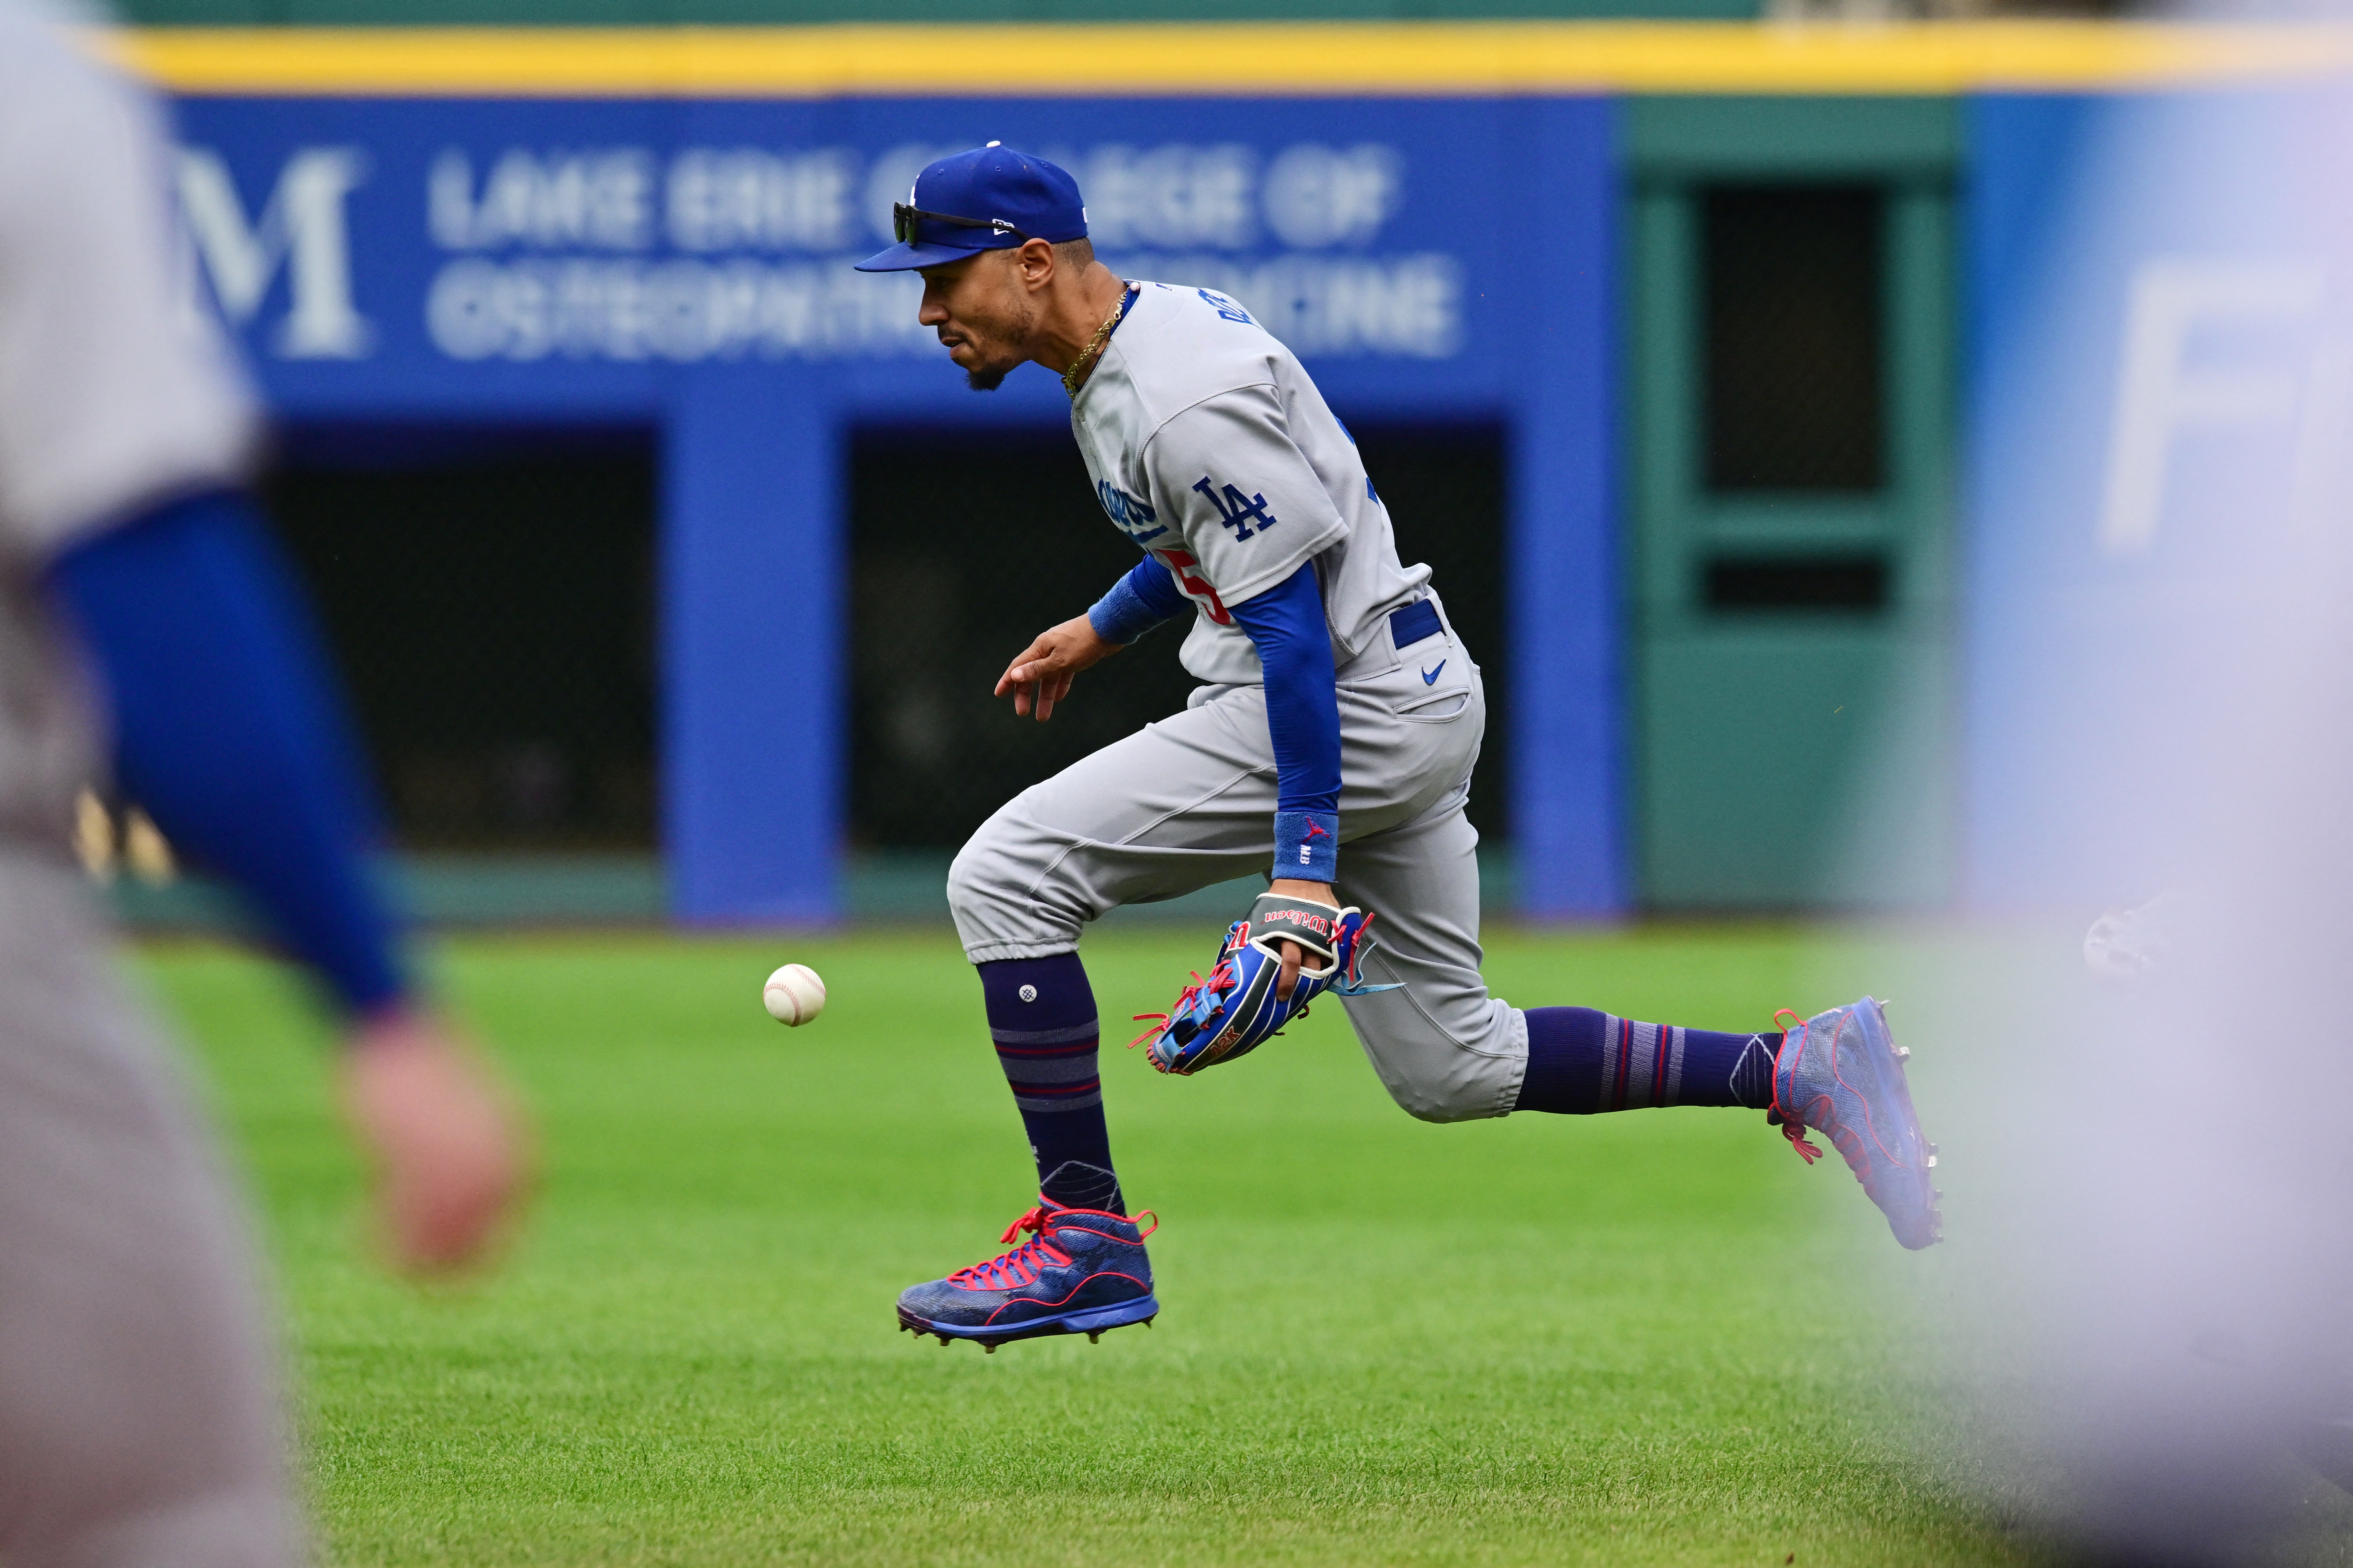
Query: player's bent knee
1436, 1073
1445, 1102
974, 887
993, 895
1439, 1082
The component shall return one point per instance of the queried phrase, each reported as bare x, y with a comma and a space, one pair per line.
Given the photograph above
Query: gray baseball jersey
115, 391
1211, 450
138, 1406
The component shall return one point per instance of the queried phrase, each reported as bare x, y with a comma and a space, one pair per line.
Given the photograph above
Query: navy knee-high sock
1581, 1061
1041, 1014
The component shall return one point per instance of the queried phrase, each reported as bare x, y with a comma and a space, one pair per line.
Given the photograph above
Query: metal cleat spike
1932, 1161
944, 1342
1932, 1148
1939, 1191
1903, 1053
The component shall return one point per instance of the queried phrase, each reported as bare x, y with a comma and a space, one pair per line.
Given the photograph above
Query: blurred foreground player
139, 1418
1334, 738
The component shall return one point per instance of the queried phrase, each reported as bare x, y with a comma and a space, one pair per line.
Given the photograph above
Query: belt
1415, 622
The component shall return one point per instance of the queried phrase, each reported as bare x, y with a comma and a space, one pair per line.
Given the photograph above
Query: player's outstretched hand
1042, 675
449, 1146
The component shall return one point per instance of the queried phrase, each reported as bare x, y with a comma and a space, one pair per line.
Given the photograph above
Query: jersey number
1193, 586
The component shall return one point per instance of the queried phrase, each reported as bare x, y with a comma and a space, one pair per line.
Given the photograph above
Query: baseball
794, 995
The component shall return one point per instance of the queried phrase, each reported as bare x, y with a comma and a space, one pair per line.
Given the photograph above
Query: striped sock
1581, 1062
1041, 1014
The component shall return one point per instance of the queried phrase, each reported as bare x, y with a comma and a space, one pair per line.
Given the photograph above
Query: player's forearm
1138, 602
228, 732
1303, 719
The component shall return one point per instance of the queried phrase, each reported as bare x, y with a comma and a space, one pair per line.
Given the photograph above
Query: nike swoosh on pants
1429, 676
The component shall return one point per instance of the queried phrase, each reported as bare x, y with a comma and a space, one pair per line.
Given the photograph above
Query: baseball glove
1235, 1010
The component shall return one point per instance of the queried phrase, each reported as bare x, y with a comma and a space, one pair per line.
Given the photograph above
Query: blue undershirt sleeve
1302, 719
1138, 602
228, 731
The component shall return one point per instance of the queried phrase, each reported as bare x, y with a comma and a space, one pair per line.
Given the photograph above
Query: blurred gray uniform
1213, 451
139, 1422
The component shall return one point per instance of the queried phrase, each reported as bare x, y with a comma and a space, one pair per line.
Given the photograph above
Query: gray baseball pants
139, 1416
1189, 801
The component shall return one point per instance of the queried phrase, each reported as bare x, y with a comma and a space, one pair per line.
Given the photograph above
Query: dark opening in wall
964, 545
1802, 585
489, 599
1445, 492
1792, 287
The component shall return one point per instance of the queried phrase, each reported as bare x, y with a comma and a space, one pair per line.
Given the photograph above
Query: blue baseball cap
991, 198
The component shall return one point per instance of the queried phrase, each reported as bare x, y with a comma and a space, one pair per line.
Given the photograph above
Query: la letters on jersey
1235, 510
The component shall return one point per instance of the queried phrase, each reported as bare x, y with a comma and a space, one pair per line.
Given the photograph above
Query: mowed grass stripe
1647, 1338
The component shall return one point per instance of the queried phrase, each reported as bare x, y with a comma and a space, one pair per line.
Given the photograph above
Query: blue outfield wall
684, 266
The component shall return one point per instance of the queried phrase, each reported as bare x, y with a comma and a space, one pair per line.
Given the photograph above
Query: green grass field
1647, 1338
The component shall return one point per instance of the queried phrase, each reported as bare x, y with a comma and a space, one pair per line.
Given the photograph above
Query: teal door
1791, 572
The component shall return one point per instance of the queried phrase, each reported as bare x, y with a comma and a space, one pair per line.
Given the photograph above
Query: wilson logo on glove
1306, 923
1235, 1010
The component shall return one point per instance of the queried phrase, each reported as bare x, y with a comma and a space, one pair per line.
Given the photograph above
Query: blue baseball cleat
1841, 1074
1080, 1272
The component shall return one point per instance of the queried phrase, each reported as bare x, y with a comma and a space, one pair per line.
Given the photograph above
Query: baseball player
1330, 745
143, 613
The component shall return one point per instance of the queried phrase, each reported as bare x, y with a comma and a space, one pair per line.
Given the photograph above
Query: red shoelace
1220, 978
1011, 1270
1791, 1129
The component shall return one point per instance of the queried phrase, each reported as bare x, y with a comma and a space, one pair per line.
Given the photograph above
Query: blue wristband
1121, 616
1307, 845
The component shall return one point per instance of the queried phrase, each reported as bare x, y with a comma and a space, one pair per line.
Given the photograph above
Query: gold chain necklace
1094, 345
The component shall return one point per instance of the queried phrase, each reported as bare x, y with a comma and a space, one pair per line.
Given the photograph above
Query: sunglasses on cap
904, 219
